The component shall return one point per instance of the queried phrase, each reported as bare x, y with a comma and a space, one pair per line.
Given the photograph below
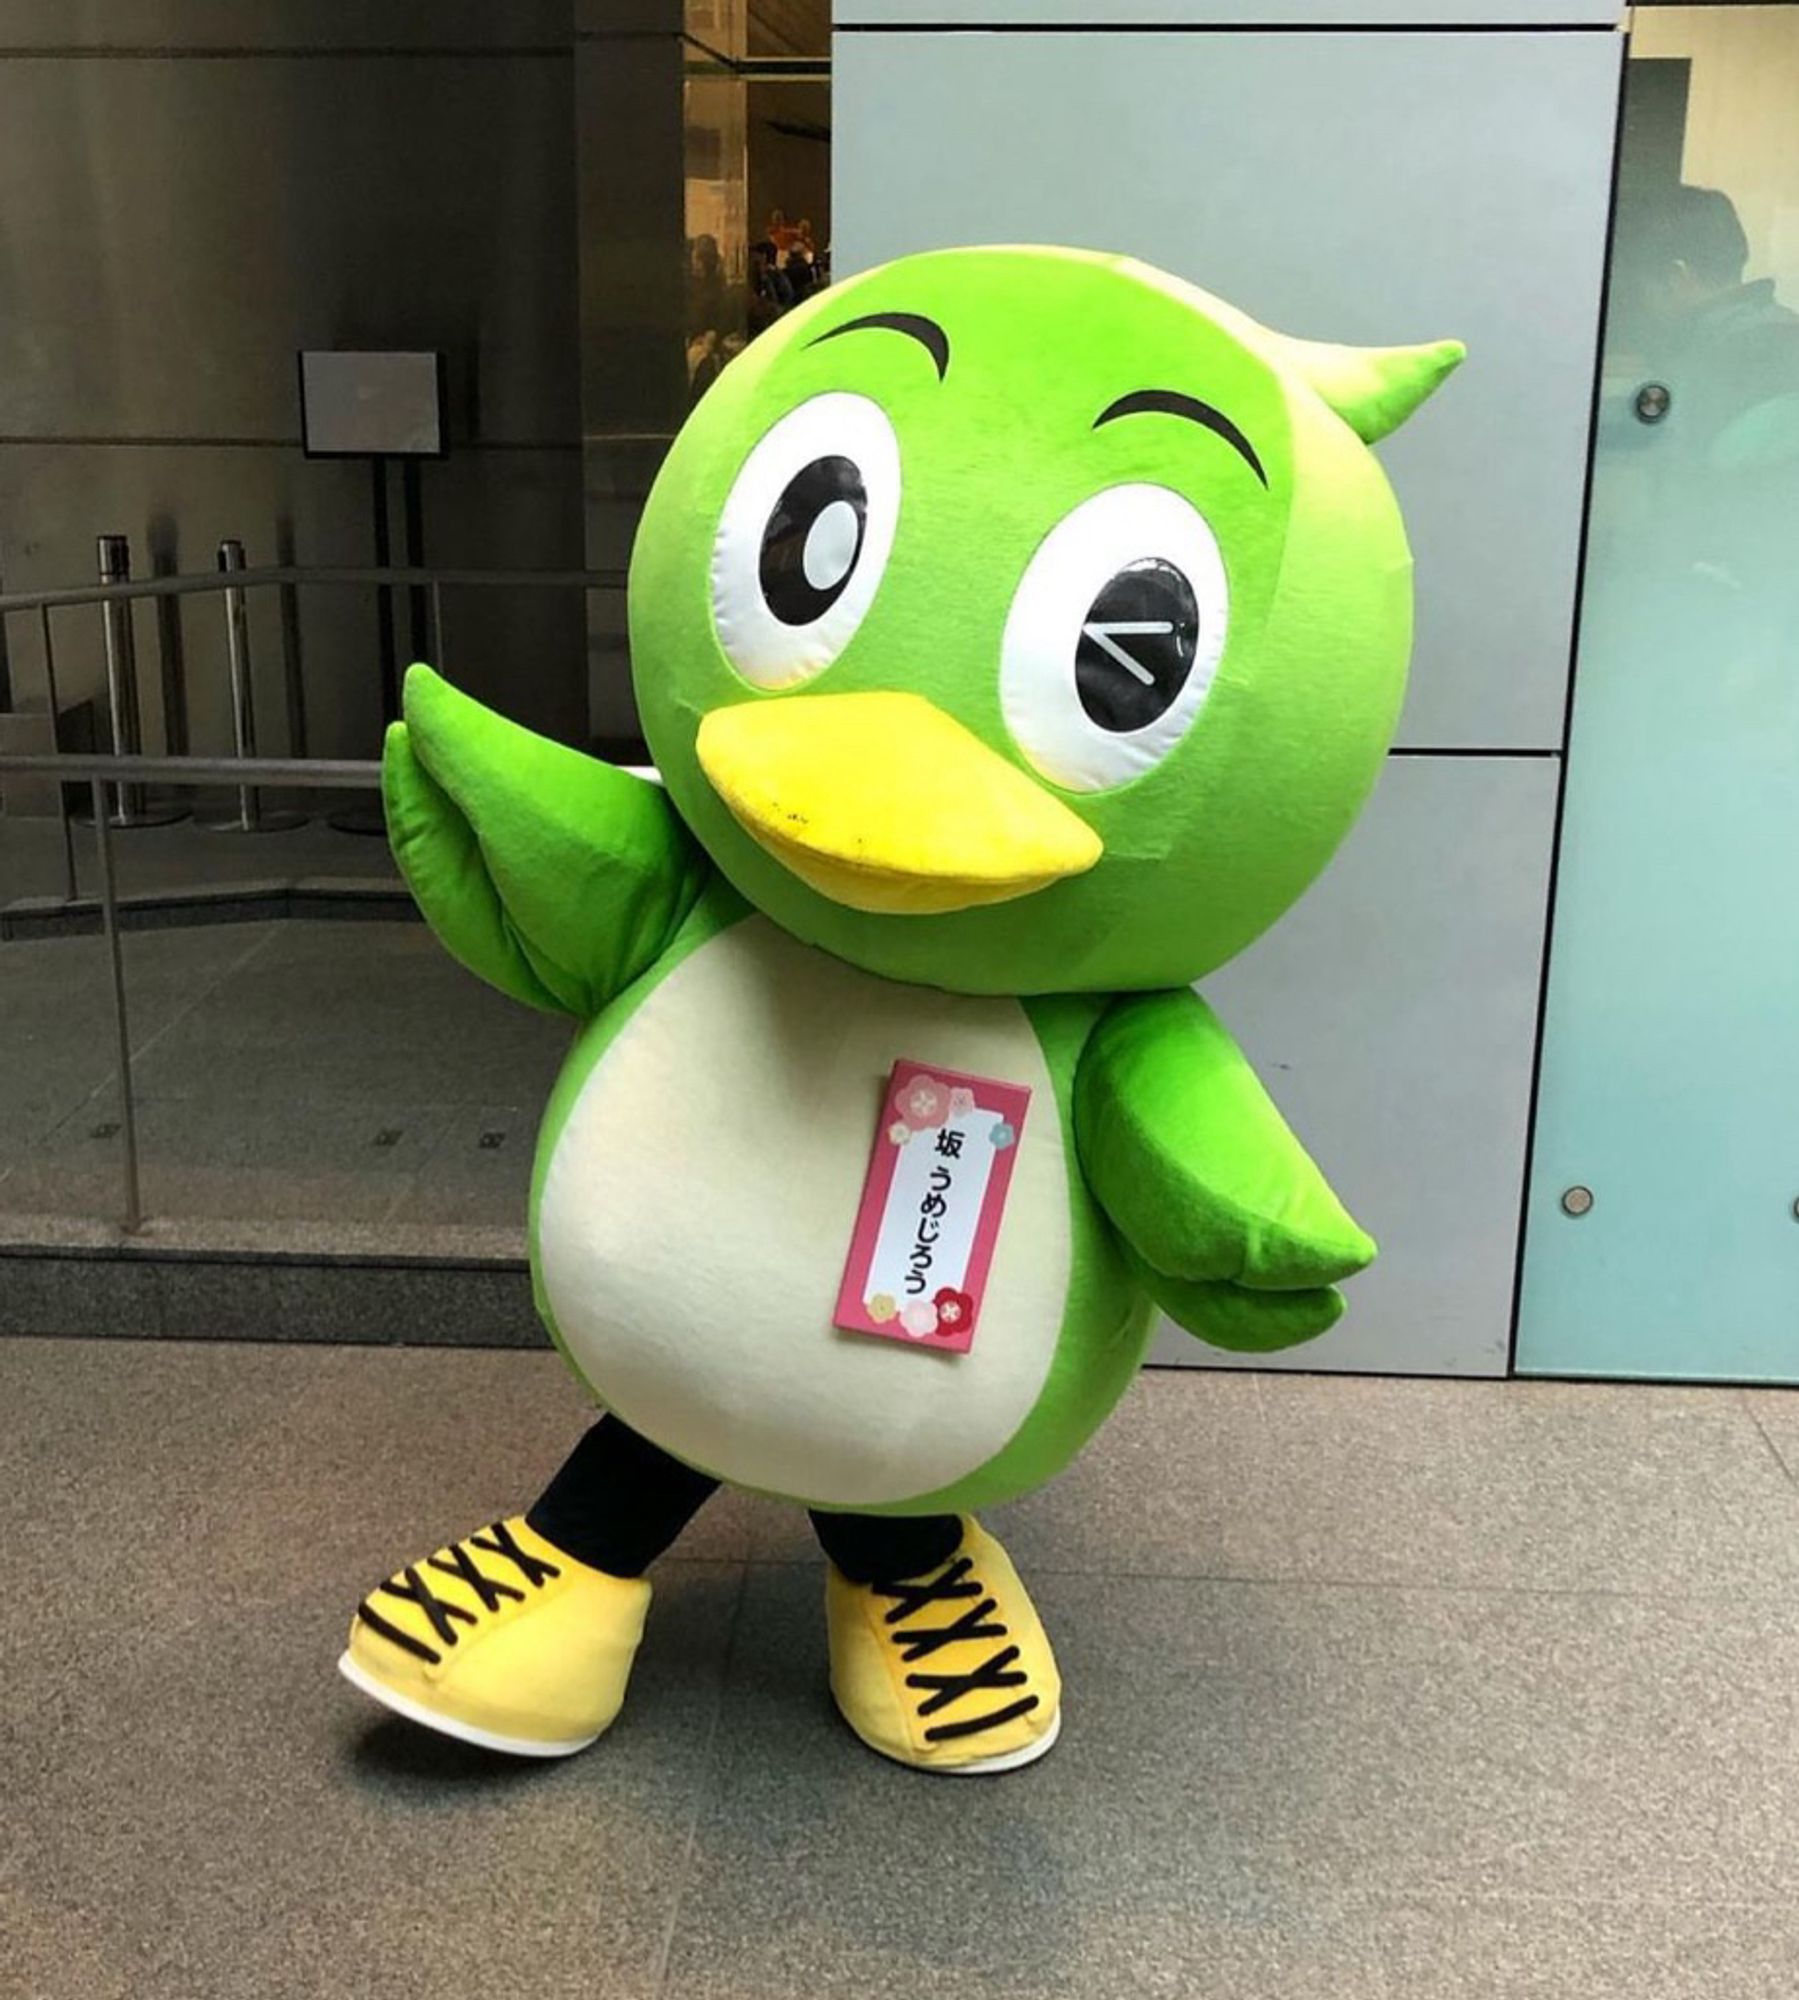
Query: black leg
619, 1500
881, 1548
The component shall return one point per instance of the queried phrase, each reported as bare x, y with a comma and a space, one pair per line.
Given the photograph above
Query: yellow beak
883, 802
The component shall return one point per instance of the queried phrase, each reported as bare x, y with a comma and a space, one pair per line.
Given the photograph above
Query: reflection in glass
717, 181
1670, 1079
1691, 569
757, 171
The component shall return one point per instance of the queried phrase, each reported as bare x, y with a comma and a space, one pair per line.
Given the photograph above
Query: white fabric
831, 545
1074, 562
696, 1216
766, 652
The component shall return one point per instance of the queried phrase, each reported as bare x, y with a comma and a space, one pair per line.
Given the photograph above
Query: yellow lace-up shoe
502, 1640
948, 1672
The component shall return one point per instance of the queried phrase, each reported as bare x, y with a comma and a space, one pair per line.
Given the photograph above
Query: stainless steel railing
201, 583
250, 815
118, 591
127, 774
300, 773
130, 803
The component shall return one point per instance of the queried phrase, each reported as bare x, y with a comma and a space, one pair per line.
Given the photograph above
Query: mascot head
1026, 620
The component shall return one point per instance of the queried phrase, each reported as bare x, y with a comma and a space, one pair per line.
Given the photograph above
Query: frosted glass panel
1663, 1239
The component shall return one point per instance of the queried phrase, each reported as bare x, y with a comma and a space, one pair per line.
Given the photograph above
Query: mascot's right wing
552, 875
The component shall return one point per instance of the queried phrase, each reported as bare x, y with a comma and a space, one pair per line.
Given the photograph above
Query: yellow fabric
873, 1655
549, 1665
883, 802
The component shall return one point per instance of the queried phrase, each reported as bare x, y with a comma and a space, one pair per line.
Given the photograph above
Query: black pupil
813, 540
1136, 647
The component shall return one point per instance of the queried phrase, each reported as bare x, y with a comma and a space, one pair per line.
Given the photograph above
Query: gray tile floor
310, 1073
185, 855
1378, 1691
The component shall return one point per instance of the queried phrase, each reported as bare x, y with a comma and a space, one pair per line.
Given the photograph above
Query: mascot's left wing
1233, 1231
552, 875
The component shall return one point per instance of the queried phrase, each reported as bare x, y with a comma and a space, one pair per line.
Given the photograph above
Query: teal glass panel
1662, 1235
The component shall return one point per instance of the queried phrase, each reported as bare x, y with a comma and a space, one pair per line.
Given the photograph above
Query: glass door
1663, 1216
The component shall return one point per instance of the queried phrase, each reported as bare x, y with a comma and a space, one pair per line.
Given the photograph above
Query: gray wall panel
270, 24
1370, 187
175, 503
519, 650
179, 225
178, 228
633, 256
612, 18
1229, 13
634, 392
1392, 1016
618, 474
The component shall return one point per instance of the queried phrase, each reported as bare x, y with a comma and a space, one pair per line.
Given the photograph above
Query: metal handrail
205, 582
231, 580
303, 773
243, 773
325, 774
331, 774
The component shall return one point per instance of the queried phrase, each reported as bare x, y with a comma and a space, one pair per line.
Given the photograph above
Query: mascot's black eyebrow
929, 335
1171, 403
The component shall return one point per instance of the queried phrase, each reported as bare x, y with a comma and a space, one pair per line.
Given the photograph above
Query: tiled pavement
306, 1073
1377, 1691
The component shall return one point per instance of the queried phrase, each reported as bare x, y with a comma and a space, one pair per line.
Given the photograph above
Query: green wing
553, 876
1235, 1233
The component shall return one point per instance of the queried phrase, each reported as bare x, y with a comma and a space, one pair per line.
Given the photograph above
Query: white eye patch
804, 538
1113, 638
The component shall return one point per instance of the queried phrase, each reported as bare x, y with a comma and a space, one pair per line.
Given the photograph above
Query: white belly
696, 1212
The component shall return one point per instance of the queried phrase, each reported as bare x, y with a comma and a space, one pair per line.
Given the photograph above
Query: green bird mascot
1017, 633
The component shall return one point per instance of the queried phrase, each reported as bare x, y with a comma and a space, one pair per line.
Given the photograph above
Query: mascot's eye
1136, 645
804, 539
1113, 637
812, 540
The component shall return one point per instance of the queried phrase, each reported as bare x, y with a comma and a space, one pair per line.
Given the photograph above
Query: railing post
53, 699
243, 694
109, 918
249, 816
131, 805
114, 554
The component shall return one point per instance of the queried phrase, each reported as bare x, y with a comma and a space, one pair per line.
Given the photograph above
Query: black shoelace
443, 1615
977, 1622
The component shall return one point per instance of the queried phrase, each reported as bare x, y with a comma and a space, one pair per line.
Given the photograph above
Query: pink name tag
931, 1206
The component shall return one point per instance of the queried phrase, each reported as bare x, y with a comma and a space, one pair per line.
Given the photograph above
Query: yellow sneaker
948, 1672
502, 1640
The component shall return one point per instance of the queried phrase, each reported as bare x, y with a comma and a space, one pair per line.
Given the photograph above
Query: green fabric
1373, 389
1245, 1322
553, 876
1107, 1318
1202, 852
1193, 1163
573, 886
1106, 1325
